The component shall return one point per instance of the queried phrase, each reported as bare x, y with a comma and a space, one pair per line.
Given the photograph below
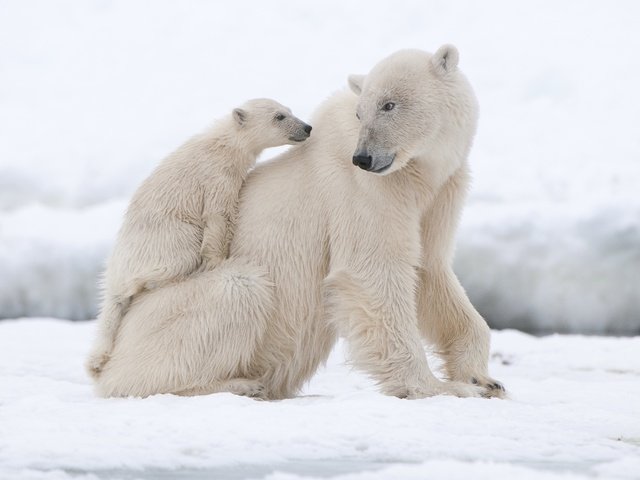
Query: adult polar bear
323, 248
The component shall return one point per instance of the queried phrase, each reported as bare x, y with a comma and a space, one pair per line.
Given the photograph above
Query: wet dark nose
307, 129
362, 161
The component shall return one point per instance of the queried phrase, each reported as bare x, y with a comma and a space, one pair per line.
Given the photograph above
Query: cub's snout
301, 133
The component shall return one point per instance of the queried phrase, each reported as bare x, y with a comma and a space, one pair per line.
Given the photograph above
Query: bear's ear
240, 116
355, 83
445, 60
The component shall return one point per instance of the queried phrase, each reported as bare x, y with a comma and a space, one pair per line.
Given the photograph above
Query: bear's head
266, 123
413, 105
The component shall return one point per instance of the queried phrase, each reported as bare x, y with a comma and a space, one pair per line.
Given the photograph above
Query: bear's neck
234, 142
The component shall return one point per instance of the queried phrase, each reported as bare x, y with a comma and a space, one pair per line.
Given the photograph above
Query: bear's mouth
386, 167
382, 169
298, 139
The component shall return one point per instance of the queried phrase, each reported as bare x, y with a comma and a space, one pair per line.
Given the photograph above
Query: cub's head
412, 105
269, 124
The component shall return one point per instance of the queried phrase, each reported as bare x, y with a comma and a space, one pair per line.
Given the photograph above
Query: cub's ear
240, 116
445, 60
355, 83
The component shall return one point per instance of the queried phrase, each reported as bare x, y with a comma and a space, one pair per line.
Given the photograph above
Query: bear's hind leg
195, 334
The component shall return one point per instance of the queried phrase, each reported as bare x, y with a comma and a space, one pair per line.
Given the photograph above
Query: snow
574, 413
95, 93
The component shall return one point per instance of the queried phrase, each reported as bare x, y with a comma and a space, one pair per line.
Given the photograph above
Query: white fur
180, 219
324, 248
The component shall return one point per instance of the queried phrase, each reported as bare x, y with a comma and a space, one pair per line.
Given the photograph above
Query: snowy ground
94, 93
574, 413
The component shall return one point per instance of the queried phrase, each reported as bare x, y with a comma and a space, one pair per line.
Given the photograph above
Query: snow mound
52, 259
553, 267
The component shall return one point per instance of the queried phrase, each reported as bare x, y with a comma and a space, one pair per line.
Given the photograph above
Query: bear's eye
357, 116
388, 106
280, 116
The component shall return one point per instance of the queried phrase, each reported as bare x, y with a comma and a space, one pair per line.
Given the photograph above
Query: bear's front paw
456, 389
492, 388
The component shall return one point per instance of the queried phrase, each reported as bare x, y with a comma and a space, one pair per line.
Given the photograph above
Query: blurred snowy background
94, 93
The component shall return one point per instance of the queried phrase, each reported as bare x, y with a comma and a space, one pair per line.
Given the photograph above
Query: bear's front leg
380, 325
461, 335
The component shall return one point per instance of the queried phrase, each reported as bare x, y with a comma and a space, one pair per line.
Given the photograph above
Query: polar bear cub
180, 219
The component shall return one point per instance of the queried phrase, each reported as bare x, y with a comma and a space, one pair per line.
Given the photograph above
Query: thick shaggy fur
180, 219
323, 248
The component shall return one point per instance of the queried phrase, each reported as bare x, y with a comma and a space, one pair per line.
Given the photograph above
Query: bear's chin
383, 170
398, 163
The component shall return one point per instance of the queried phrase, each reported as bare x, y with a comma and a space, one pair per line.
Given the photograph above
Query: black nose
307, 129
362, 161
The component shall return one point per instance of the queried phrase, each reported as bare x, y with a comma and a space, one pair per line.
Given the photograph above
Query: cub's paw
209, 263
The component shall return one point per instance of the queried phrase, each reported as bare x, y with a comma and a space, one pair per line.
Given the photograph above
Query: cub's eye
357, 116
280, 116
388, 106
